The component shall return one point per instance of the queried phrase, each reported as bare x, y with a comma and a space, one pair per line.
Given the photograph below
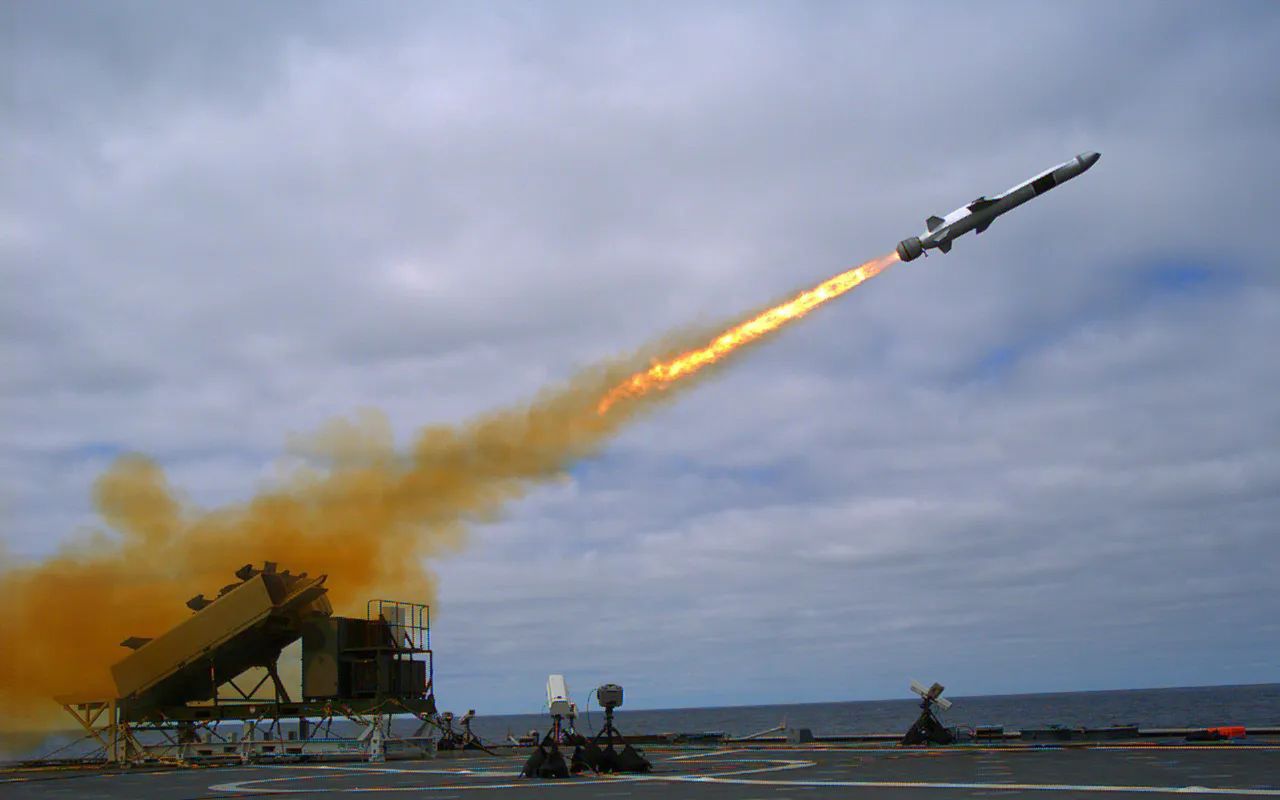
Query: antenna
932, 695
927, 728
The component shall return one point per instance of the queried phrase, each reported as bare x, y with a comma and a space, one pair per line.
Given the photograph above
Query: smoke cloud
360, 510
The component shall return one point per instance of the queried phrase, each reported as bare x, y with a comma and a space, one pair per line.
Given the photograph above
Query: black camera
609, 695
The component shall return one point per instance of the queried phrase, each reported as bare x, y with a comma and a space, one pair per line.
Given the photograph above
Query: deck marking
1032, 787
740, 767
1153, 749
254, 785
708, 754
248, 786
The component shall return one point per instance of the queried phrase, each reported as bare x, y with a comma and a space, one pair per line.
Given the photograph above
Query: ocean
1255, 705
1199, 706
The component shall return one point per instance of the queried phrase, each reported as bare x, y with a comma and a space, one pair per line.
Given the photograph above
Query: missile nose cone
1089, 159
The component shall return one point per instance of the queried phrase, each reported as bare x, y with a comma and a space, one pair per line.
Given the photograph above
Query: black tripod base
546, 761
626, 760
928, 730
586, 756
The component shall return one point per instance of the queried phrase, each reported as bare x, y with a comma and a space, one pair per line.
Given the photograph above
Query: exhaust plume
363, 512
661, 374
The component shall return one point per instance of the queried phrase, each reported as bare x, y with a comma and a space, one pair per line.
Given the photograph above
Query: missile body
977, 216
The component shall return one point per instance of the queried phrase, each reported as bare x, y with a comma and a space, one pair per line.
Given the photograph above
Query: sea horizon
949, 695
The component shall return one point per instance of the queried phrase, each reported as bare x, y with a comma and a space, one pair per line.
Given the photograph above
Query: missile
978, 215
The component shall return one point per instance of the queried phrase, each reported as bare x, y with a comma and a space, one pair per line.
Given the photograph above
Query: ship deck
1243, 769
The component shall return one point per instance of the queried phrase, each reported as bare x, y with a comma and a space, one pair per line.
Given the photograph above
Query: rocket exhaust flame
364, 511
662, 374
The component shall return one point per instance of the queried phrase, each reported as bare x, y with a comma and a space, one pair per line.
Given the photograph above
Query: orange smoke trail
363, 511
663, 373
366, 513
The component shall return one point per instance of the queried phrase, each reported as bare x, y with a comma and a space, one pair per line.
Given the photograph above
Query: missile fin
982, 227
945, 245
934, 222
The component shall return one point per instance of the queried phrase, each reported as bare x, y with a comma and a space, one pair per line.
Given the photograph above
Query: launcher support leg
378, 738
101, 720
281, 693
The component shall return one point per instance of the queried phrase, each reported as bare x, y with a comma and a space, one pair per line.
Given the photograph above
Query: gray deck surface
742, 774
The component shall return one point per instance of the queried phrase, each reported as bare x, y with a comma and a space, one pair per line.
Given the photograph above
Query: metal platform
1146, 769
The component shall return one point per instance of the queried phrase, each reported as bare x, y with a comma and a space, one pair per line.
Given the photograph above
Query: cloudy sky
1047, 461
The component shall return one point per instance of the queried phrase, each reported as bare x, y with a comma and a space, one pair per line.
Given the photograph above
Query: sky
1047, 461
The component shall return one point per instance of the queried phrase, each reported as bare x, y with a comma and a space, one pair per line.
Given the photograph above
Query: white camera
558, 702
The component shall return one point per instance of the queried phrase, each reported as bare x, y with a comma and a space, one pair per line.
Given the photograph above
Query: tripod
547, 761
927, 729
609, 759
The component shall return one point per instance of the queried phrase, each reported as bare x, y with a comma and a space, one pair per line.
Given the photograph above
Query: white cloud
219, 238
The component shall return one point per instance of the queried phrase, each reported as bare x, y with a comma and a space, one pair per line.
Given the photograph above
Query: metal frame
417, 630
197, 732
99, 719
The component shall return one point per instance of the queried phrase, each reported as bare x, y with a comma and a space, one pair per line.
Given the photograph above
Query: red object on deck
1229, 731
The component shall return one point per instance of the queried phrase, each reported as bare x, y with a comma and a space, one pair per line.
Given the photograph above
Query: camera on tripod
607, 751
